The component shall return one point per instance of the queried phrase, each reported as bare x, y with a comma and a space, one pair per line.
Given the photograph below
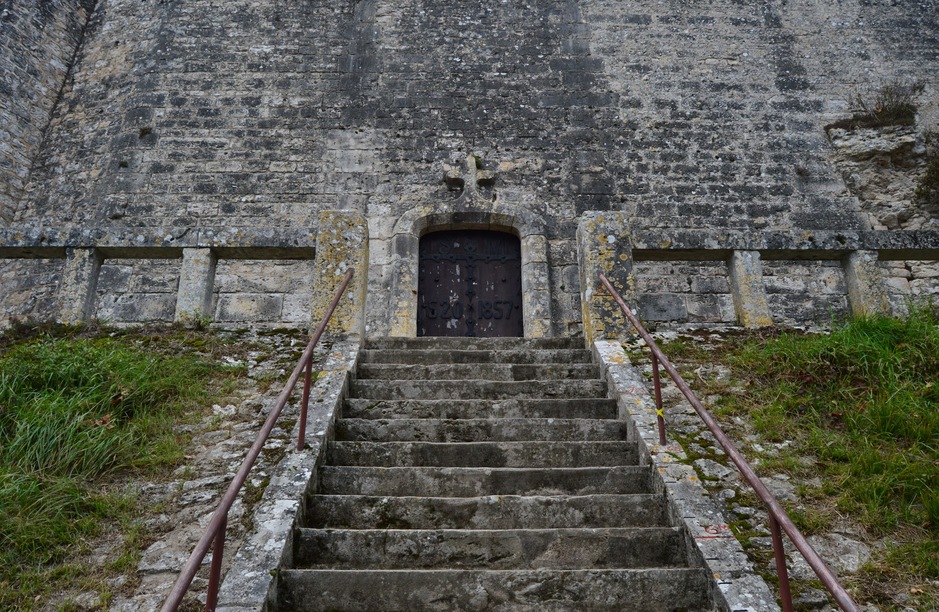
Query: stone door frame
536, 297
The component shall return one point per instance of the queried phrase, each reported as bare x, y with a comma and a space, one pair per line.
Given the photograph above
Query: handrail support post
215, 573
785, 593
659, 410
779, 520
304, 406
214, 534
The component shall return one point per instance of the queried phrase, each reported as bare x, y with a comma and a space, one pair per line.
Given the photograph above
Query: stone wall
29, 288
681, 115
38, 39
910, 281
684, 292
263, 292
137, 290
803, 292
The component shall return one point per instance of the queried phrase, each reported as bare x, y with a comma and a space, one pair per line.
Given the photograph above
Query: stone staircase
472, 474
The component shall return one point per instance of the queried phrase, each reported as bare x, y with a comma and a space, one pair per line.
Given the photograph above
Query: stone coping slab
712, 244
736, 586
300, 243
248, 583
160, 242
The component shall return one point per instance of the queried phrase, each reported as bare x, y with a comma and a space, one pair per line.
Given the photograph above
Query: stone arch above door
536, 299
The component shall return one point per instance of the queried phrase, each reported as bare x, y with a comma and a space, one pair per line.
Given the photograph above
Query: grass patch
859, 410
80, 412
892, 104
865, 401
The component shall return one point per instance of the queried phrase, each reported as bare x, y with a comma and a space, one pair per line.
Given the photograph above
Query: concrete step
473, 344
478, 389
537, 499
483, 454
477, 371
510, 408
489, 512
637, 590
489, 549
476, 482
479, 356
478, 430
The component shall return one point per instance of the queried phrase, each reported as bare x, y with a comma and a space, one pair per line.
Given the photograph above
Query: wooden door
469, 284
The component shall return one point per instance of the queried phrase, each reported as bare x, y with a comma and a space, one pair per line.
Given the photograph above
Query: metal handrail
777, 515
215, 531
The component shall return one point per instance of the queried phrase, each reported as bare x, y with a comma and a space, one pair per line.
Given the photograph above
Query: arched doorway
469, 284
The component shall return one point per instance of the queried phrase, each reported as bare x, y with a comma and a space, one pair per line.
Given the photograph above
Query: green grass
891, 104
76, 412
863, 401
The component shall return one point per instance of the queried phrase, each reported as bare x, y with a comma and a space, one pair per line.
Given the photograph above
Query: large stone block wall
102, 98
263, 292
38, 39
29, 288
695, 292
806, 292
137, 290
909, 282
679, 114
257, 292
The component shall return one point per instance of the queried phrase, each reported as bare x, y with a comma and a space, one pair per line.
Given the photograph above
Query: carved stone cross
469, 178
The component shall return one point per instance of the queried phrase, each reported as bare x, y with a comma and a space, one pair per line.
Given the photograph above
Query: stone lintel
126, 241
664, 244
196, 280
604, 245
32, 252
746, 286
78, 285
342, 243
716, 244
866, 292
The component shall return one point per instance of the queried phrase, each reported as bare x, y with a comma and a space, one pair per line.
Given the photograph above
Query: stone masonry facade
167, 159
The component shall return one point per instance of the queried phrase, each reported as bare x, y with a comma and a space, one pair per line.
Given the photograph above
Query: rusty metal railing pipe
215, 531
774, 508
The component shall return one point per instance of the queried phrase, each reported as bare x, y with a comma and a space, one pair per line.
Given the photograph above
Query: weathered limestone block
604, 245
536, 304
196, 279
342, 243
747, 289
403, 276
79, 283
866, 292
